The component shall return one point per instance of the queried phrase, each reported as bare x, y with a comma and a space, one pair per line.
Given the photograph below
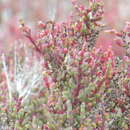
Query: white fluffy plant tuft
27, 77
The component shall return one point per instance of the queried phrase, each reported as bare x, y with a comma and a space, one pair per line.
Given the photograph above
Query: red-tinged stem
77, 89
33, 42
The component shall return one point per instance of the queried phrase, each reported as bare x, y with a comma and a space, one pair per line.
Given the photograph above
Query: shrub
75, 85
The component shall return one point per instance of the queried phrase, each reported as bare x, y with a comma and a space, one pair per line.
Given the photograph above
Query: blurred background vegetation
116, 12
